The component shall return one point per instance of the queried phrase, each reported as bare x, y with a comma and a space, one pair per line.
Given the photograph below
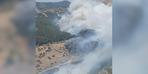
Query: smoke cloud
87, 15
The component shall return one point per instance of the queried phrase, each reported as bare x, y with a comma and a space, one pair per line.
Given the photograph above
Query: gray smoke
91, 23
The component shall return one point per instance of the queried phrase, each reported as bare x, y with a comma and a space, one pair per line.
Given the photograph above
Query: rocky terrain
51, 55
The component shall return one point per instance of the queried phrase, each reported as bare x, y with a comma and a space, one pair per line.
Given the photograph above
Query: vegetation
47, 32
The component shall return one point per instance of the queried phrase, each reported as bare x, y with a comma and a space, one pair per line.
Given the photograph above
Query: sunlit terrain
72, 36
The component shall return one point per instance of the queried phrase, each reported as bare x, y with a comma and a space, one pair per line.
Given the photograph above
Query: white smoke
91, 61
88, 14
94, 15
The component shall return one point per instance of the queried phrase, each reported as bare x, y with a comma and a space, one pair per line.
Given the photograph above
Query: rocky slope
51, 55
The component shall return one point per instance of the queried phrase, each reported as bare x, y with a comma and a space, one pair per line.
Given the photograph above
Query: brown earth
50, 55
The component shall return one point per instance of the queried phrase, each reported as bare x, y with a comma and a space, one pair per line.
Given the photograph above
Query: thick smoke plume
90, 21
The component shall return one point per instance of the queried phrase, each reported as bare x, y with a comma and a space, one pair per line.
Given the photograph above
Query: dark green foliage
47, 32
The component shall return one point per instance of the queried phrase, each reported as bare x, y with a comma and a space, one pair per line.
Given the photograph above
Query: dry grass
51, 55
